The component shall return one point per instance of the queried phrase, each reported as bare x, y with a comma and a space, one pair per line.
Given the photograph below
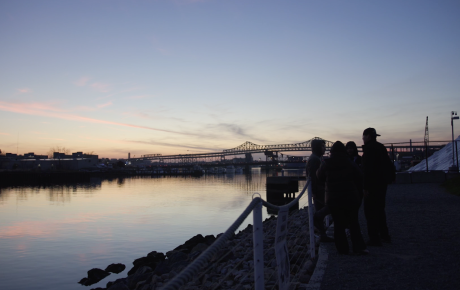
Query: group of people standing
341, 183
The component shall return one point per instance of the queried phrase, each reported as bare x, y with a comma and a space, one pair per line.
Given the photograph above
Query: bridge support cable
255, 207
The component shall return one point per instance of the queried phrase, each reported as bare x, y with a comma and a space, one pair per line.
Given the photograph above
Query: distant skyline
191, 76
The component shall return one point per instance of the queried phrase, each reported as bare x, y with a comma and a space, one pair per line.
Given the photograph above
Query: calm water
50, 237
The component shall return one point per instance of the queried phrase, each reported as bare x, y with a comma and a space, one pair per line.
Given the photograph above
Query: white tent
440, 160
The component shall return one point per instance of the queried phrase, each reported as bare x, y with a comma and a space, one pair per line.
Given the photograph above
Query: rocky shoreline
230, 268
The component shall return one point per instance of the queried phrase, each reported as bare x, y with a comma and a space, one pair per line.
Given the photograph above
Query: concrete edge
321, 265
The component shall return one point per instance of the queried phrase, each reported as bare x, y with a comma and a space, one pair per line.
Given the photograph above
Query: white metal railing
258, 255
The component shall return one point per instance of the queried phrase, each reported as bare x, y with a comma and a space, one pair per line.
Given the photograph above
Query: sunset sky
190, 76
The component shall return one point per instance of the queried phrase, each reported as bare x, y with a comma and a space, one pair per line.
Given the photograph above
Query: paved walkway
424, 224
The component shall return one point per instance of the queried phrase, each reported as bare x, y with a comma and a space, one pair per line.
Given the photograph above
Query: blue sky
170, 76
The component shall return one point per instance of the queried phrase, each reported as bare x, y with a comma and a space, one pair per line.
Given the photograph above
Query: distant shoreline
31, 178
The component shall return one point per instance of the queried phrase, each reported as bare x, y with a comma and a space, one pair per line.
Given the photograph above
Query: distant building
30, 161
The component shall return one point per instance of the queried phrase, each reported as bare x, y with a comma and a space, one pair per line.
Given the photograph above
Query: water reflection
111, 220
56, 193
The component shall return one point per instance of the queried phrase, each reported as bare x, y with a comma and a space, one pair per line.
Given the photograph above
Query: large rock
151, 260
118, 286
115, 268
142, 274
179, 266
210, 239
162, 268
94, 275
199, 248
123, 281
176, 256
189, 244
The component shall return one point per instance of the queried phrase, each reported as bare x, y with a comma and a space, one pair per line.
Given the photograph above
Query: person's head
369, 135
352, 149
318, 147
338, 149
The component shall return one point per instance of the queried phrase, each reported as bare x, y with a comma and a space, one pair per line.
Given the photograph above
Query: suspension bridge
274, 153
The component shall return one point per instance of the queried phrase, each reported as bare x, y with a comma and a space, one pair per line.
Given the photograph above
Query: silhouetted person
343, 179
318, 148
378, 172
352, 151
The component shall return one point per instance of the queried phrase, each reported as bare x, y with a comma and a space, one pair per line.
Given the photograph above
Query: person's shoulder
381, 146
313, 159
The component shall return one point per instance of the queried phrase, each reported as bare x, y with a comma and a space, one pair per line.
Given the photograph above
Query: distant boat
239, 170
230, 169
221, 170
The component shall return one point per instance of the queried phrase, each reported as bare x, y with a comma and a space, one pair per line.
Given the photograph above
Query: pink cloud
84, 108
101, 87
1, 133
105, 105
52, 139
46, 110
82, 81
24, 90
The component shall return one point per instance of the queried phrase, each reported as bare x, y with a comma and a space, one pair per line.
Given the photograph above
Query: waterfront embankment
425, 249
231, 267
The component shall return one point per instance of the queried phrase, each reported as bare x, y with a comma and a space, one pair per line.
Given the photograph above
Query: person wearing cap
378, 172
318, 148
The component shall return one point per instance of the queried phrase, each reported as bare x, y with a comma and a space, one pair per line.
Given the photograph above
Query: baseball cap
370, 131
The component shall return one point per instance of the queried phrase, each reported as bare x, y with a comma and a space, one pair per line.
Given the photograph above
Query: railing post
258, 245
311, 211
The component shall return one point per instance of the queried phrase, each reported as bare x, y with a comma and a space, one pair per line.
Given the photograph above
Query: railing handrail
192, 269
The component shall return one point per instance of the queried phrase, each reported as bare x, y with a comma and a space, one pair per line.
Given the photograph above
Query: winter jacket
342, 179
317, 187
378, 170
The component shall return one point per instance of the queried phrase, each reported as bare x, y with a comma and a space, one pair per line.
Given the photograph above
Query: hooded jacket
342, 179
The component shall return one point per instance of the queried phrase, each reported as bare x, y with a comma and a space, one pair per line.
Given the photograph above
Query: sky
188, 76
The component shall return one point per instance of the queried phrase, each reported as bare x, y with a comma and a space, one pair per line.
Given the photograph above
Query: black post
456, 151
393, 154
452, 125
426, 156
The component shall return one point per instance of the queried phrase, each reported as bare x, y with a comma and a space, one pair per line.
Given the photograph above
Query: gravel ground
423, 220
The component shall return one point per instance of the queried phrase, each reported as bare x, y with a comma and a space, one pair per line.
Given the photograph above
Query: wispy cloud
82, 81
47, 110
84, 108
168, 144
1, 133
24, 90
105, 105
101, 87
52, 139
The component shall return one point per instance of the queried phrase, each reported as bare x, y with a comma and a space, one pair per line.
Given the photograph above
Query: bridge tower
248, 157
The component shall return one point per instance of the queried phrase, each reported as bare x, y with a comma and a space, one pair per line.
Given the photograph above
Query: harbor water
50, 236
